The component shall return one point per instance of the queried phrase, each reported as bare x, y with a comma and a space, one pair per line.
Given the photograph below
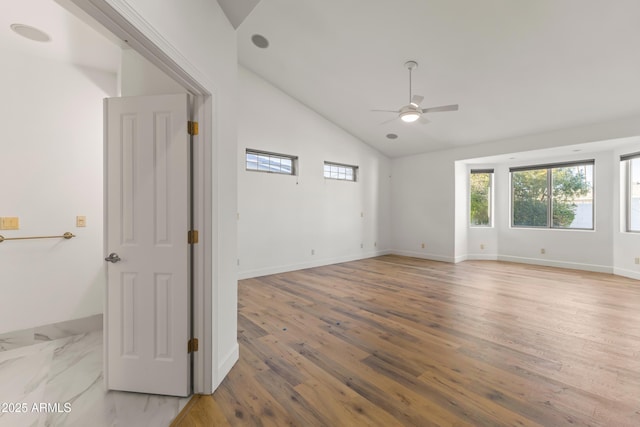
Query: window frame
354, 171
549, 167
627, 158
293, 159
491, 173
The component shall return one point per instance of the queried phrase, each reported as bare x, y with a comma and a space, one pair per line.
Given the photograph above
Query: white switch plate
9, 223
81, 221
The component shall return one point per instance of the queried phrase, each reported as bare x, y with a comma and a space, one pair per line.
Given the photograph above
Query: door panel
147, 219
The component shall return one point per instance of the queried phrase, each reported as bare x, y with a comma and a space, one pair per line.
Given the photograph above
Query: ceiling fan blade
453, 107
389, 121
416, 100
386, 111
423, 120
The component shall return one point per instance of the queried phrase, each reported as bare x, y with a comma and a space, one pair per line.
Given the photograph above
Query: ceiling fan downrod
410, 66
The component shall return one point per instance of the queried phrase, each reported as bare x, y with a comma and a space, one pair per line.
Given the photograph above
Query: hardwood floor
401, 341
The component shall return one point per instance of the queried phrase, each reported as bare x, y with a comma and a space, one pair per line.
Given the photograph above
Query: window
480, 189
631, 163
553, 196
340, 171
263, 161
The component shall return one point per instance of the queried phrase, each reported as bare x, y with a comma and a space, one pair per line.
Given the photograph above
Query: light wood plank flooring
401, 341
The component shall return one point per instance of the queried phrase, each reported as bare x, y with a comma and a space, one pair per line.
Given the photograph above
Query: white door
147, 220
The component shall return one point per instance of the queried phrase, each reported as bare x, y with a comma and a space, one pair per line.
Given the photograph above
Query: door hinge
192, 237
192, 128
192, 345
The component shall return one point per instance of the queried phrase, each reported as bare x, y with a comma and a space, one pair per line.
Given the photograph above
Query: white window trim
627, 165
354, 169
294, 161
549, 167
491, 192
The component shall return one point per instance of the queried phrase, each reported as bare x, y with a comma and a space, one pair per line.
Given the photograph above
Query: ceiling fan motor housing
410, 113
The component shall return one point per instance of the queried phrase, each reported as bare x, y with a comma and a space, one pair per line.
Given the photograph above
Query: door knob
113, 257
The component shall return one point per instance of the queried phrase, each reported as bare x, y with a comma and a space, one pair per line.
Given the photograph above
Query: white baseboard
310, 264
436, 257
14, 339
482, 257
626, 273
226, 364
423, 255
561, 264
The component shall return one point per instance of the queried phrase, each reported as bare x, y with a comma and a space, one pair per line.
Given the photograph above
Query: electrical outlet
238, 261
637, 260
423, 246
313, 251
542, 251
481, 245
375, 244
361, 245
361, 214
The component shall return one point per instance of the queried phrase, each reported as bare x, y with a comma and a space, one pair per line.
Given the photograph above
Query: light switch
81, 221
9, 223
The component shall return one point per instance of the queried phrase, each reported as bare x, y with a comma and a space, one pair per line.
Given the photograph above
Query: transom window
340, 171
263, 161
631, 164
480, 190
553, 196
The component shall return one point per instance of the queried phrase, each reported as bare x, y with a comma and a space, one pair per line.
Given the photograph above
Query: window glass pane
270, 162
274, 164
285, 165
572, 205
530, 198
480, 190
263, 163
634, 194
340, 172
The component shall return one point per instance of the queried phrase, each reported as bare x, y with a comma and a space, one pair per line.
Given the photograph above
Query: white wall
283, 218
426, 195
583, 249
50, 172
423, 206
201, 35
462, 211
140, 77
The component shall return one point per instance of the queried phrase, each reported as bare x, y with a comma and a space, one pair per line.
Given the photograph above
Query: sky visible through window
269, 163
341, 172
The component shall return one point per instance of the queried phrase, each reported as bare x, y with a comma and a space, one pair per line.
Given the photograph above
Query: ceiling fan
412, 111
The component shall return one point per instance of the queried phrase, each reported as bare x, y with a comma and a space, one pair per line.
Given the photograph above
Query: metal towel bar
66, 235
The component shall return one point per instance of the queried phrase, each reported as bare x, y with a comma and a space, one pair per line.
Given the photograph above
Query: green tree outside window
480, 189
570, 186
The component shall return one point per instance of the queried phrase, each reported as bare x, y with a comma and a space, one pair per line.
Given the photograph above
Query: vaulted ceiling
514, 67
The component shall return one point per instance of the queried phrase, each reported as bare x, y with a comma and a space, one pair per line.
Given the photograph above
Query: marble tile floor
60, 383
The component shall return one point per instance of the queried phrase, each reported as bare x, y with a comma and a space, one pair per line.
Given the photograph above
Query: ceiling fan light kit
408, 115
412, 111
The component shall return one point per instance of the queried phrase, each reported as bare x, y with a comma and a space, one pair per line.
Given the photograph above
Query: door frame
123, 23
